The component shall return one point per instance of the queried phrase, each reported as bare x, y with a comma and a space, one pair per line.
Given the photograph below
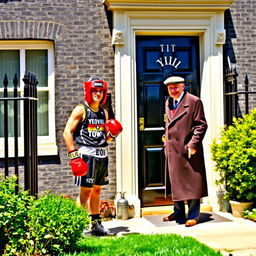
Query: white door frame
209, 26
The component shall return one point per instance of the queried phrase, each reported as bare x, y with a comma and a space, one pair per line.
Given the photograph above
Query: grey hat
174, 80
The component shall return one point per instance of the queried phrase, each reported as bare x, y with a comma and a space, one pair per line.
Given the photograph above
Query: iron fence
30, 130
231, 106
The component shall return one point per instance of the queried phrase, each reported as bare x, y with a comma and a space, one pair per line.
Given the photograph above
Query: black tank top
91, 131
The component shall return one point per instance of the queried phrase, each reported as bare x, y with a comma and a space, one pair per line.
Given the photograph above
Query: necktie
175, 104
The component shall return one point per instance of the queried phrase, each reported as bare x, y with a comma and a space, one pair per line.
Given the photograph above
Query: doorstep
162, 210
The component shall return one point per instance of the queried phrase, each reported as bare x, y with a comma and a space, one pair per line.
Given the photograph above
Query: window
36, 57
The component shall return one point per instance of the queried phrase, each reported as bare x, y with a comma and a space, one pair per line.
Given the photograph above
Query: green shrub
13, 216
46, 226
235, 156
55, 224
250, 214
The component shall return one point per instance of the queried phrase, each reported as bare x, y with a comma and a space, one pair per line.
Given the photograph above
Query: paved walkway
220, 231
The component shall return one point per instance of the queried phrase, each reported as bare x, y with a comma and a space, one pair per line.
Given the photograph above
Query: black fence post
246, 92
15, 109
6, 153
34, 188
30, 134
246, 82
27, 142
231, 97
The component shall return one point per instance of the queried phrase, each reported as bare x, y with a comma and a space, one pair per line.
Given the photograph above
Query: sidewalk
220, 231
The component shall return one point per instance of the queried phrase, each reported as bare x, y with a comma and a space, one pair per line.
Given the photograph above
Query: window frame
46, 144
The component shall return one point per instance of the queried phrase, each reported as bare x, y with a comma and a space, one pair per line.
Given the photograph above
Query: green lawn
136, 244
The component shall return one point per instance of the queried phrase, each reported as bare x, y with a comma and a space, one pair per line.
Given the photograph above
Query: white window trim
46, 144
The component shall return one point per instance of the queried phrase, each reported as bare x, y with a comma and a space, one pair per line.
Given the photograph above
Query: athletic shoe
97, 229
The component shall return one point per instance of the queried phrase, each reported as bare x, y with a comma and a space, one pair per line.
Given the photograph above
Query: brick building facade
240, 44
83, 39
81, 36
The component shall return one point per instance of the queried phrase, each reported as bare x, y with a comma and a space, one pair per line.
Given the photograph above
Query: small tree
234, 153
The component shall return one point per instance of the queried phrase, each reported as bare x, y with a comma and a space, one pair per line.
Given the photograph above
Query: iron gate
30, 130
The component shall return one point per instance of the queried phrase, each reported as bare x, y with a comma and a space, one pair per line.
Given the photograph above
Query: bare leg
97, 227
95, 200
84, 196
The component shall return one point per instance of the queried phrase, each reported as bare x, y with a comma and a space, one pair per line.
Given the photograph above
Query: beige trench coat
186, 128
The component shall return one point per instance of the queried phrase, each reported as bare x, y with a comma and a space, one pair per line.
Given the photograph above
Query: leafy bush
46, 226
13, 215
235, 156
55, 224
250, 214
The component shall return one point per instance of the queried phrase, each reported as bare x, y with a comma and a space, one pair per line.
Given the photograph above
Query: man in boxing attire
89, 128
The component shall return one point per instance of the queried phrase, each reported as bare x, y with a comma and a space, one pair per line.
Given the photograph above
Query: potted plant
234, 153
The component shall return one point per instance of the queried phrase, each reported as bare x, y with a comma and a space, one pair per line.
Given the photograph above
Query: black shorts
97, 172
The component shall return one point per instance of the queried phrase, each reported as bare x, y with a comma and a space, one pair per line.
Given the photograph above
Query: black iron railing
231, 106
30, 130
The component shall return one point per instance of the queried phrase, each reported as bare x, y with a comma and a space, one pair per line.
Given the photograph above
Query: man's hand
191, 152
78, 165
114, 127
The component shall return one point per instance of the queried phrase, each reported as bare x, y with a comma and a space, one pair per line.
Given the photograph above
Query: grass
138, 244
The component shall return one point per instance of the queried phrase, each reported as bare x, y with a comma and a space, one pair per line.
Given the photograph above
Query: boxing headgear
98, 84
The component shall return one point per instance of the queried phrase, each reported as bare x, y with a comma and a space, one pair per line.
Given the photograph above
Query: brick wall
241, 44
81, 34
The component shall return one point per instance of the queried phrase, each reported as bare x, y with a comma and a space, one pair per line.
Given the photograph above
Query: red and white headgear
95, 83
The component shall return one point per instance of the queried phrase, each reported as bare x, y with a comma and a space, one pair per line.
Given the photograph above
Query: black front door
158, 57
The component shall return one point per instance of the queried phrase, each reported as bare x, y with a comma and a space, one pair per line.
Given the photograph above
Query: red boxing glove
78, 165
114, 127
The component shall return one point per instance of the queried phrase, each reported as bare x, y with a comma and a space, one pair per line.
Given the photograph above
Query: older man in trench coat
185, 129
